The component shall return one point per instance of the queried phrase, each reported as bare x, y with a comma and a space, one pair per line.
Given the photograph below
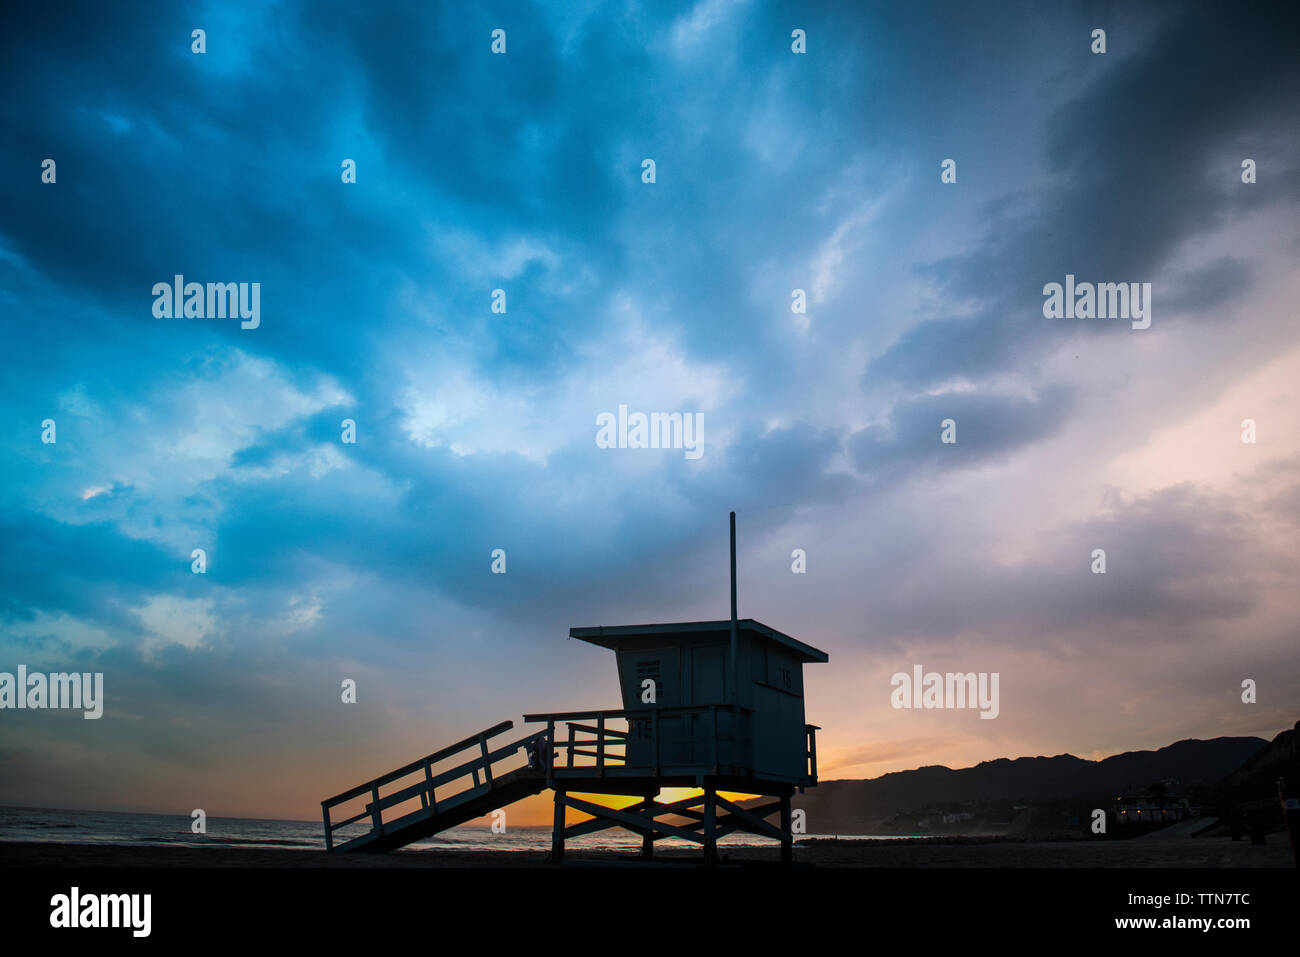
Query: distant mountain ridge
861, 806
1256, 779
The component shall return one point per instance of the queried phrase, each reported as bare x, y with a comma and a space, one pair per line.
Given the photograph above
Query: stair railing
425, 788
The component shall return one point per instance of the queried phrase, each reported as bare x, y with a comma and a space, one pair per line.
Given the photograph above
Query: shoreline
1208, 853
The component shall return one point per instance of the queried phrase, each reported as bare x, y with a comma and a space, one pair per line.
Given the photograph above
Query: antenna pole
735, 684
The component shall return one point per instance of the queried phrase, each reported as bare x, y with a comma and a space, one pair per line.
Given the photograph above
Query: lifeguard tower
712, 706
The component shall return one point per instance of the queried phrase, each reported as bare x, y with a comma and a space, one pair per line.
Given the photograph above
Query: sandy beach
1180, 853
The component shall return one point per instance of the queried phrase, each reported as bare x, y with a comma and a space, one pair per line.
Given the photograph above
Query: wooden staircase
490, 786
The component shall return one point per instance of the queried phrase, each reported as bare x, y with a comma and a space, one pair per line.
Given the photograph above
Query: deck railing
661, 737
811, 730
425, 787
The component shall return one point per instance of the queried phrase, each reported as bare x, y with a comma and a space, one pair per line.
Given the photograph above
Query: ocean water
111, 827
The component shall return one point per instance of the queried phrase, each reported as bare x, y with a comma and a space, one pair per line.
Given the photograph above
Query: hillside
1000, 790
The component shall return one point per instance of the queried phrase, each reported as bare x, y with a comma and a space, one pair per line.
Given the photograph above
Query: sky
476, 430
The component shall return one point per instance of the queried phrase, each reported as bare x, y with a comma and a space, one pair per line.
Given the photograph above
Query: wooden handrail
612, 732
600, 744
352, 820
408, 768
414, 790
377, 805
811, 730
454, 773
608, 755
703, 727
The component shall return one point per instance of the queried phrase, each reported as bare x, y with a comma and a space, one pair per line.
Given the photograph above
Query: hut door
709, 686
709, 676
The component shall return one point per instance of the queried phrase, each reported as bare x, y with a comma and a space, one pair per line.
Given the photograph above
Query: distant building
1150, 808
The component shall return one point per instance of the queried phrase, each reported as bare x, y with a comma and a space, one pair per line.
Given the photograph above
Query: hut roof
626, 636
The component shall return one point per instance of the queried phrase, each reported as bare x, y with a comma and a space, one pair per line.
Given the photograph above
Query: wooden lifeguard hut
712, 706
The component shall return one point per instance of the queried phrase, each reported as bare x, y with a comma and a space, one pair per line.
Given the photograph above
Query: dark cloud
987, 426
88, 571
1176, 560
1136, 172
